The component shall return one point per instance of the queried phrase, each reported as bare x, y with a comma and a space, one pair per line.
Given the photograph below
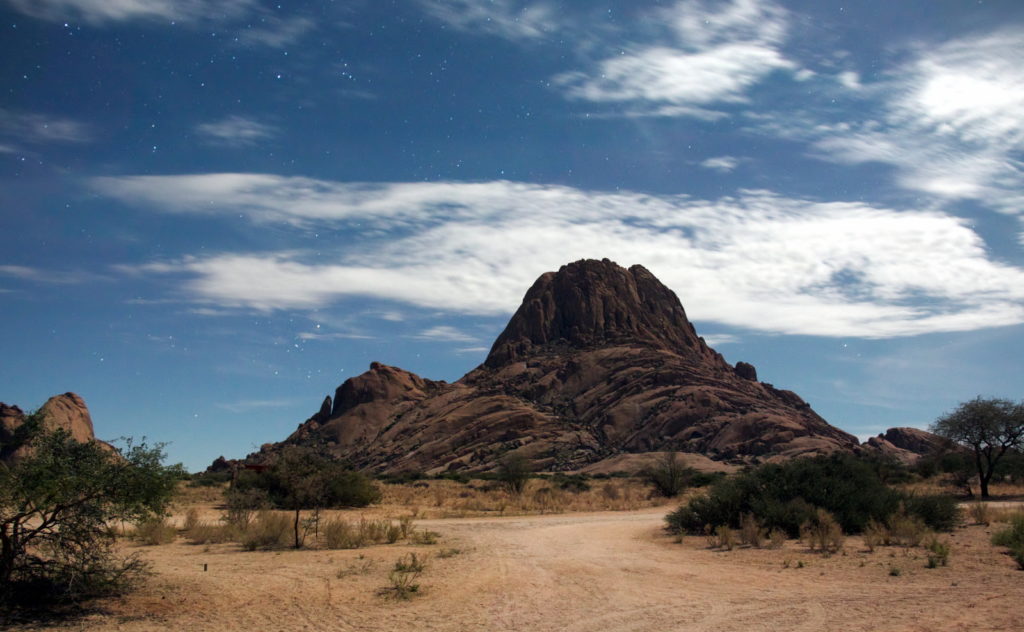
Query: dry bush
822, 532
206, 533
155, 531
403, 577
979, 513
776, 539
724, 538
906, 530
424, 537
191, 519
876, 534
269, 530
751, 531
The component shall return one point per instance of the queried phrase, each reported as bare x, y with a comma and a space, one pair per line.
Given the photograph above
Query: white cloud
951, 122
33, 127
722, 164
717, 340
759, 261
236, 131
100, 11
670, 76
711, 55
445, 333
517, 21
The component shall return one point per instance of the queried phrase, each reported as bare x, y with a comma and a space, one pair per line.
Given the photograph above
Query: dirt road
594, 572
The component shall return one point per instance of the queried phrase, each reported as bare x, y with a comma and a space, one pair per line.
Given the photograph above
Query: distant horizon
217, 212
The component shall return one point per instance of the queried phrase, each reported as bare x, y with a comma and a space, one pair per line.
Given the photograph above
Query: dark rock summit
907, 445
599, 362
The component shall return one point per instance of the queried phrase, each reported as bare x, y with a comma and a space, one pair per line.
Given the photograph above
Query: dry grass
451, 499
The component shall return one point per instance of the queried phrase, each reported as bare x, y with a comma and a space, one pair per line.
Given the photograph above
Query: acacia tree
57, 504
990, 427
301, 480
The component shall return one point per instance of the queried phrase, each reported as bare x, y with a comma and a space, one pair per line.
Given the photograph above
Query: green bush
1013, 538
785, 496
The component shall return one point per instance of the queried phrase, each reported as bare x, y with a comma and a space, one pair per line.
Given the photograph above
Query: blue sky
214, 212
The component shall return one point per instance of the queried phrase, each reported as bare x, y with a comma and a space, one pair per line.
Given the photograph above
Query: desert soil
613, 571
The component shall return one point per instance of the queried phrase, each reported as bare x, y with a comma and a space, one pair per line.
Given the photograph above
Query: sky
213, 212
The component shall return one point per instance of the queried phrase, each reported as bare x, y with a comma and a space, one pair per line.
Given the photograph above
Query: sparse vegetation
403, 577
938, 552
822, 532
155, 531
1012, 537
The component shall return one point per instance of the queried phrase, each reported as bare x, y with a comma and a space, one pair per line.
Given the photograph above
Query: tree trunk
297, 544
7, 557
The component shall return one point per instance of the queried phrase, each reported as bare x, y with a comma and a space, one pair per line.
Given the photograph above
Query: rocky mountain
599, 362
907, 445
67, 411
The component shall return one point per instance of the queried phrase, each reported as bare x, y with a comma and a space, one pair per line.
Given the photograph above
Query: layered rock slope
597, 362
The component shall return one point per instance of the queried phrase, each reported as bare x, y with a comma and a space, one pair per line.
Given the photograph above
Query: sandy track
610, 571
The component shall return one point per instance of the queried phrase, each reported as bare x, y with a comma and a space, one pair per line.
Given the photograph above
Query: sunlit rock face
598, 361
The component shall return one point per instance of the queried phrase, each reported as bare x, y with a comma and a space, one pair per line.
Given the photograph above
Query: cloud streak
236, 131
758, 260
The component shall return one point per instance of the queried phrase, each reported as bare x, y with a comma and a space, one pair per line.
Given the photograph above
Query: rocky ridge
599, 362
67, 411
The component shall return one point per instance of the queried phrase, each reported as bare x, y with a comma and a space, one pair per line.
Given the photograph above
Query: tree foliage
991, 428
514, 470
302, 479
57, 505
669, 475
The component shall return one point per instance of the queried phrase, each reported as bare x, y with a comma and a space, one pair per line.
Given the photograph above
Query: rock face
598, 362
67, 411
907, 445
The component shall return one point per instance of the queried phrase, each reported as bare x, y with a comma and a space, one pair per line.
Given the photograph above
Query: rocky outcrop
67, 411
907, 445
599, 361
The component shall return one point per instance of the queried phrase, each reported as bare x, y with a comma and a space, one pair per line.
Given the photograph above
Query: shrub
724, 537
268, 531
876, 534
979, 513
339, 534
785, 496
905, 529
938, 552
751, 531
404, 575
513, 473
205, 533
1013, 538
668, 476
191, 519
155, 531
776, 539
940, 513
822, 533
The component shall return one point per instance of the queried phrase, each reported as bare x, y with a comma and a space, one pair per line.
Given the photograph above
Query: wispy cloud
950, 121
509, 19
277, 32
710, 55
249, 405
445, 333
100, 11
721, 164
759, 260
716, 340
33, 127
55, 277
237, 131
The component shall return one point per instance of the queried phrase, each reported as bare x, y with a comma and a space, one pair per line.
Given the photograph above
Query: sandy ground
613, 571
